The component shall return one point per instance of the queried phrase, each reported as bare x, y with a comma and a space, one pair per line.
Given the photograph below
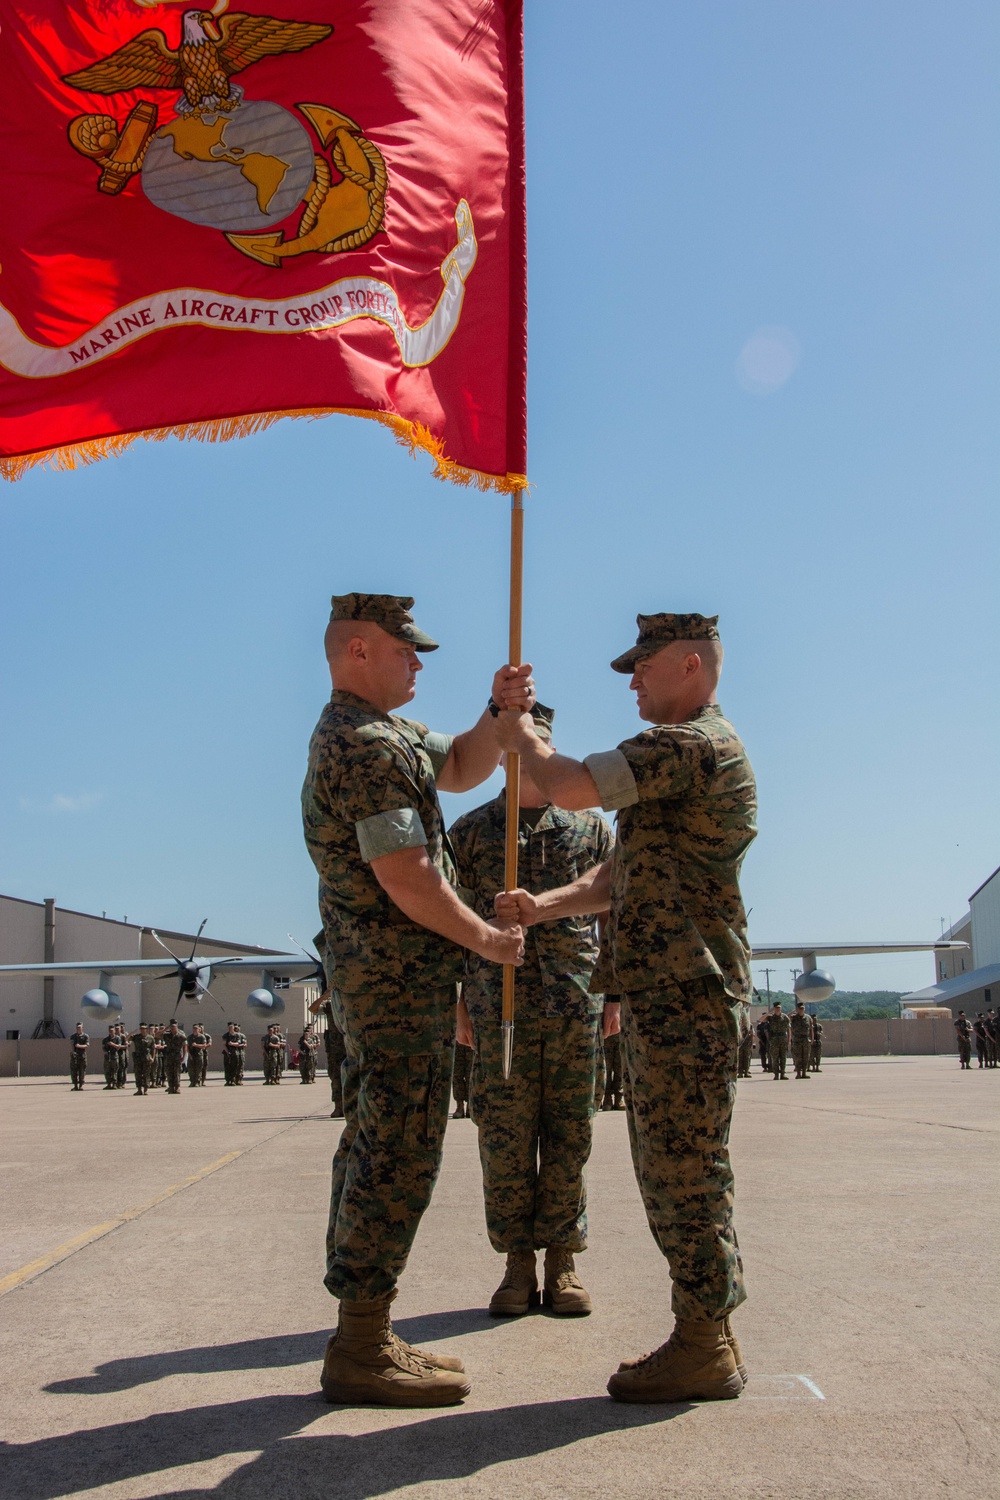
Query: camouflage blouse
370, 790
559, 956
687, 806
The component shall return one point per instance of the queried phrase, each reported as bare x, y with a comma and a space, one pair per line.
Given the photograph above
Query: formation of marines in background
408, 921
777, 1034
161, 1053
984, 1032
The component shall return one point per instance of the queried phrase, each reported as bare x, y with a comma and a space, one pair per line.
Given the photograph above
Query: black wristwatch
493, 706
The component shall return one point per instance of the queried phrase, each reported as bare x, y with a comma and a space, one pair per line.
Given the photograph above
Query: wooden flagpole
513, 761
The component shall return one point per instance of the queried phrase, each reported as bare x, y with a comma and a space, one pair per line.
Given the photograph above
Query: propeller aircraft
814, 984
192, 975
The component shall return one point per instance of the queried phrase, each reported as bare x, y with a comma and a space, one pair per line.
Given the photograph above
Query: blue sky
763, 381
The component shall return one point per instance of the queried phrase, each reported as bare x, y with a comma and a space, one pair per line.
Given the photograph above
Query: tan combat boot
734, 1344
564, 1293
438, 1361
367, 1365
519, 1289
695, 1364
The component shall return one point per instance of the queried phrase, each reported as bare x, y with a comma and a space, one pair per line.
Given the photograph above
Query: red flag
213, 218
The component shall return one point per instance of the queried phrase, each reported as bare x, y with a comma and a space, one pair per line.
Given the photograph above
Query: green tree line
845, 1005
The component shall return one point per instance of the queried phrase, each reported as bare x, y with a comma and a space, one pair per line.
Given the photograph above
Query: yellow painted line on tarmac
62, 1252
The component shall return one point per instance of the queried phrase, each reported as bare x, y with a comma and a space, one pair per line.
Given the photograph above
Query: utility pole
767, 981
795, 974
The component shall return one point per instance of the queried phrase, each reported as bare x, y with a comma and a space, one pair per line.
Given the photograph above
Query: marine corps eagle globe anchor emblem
224, 161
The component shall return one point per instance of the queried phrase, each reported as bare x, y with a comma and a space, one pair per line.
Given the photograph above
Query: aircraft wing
834, 950
279, 963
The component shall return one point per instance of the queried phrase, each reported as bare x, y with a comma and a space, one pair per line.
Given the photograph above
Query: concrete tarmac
163, 1315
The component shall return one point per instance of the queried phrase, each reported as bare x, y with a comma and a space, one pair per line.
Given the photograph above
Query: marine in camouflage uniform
336, 1054
370, 796
142, 1058
801, 1030
536, 1127
676, 950
174, 1045
746, 1042
963, 1031
198, 1044
308, 1047
157, 1073
109, 1047
333, 1039
272, 1045
121, 1058
762, 1044
778, 1035
234, 1051
816, 1045
78, 1044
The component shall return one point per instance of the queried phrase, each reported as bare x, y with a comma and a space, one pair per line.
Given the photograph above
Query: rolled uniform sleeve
387, 832
381, 799
660, 764
613, 778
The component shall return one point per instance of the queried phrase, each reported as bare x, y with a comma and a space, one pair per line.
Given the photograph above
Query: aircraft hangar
50, 1006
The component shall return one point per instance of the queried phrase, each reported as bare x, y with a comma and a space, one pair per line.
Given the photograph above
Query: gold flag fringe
412, 435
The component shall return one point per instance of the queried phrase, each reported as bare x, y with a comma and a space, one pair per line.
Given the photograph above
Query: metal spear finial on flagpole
513, 762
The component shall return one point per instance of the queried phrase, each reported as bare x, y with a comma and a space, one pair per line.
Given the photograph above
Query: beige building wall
79, 935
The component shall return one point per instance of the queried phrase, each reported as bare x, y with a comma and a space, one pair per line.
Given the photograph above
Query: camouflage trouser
77, 1068
121, 1069
777, 1057
815, 1055
307, 1065
800, 1057
197, 1067
172, 1073
745, 1054
140, 1068
335, 1054
110, 1069
964, 1051
397, 1081
232, 1063
680, 1067
600, 1070
535, 1129
462, 1075
270, 1063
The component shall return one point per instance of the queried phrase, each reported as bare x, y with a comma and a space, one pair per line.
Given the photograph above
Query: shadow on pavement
255, 1354
252, 1354
445, 1325
452, 1445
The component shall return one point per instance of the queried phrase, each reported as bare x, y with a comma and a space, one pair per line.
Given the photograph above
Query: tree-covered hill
845, 1005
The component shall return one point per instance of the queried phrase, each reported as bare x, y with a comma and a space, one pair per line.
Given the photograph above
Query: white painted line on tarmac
783, 1388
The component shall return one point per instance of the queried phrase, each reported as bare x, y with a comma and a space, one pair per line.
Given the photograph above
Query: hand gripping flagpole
513, 762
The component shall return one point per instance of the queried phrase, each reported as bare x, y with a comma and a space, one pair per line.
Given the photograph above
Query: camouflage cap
387, 610
657, 631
